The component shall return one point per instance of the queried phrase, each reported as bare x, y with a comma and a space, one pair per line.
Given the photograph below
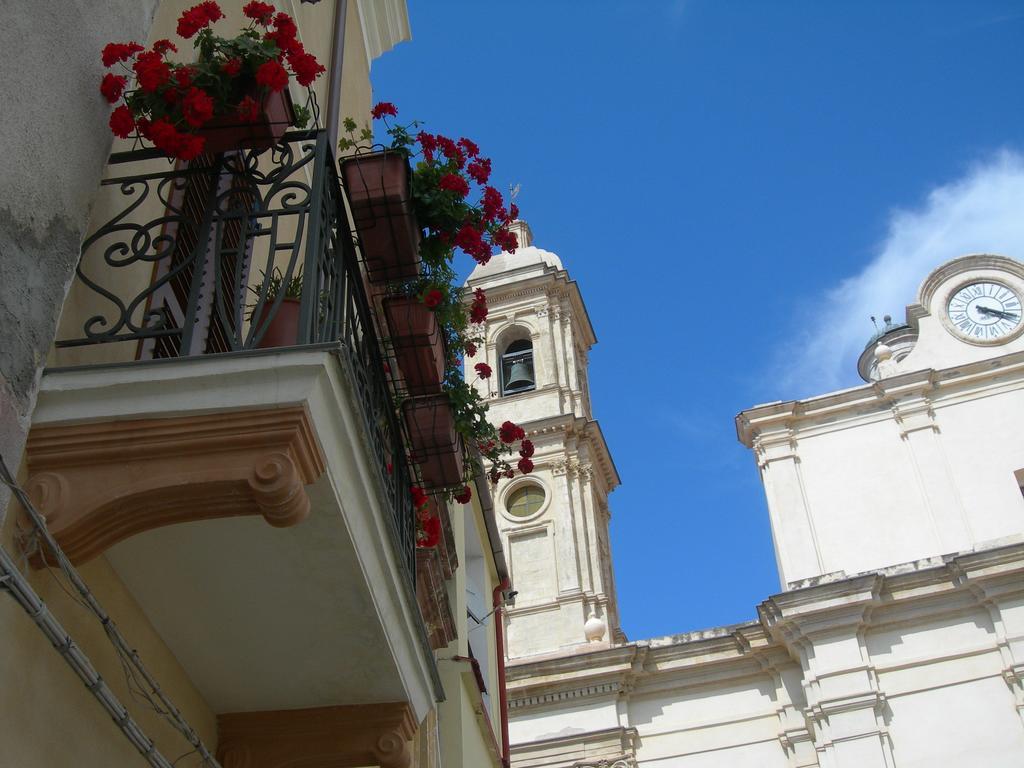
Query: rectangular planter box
417, 342
378, 191
436, 448
227, 133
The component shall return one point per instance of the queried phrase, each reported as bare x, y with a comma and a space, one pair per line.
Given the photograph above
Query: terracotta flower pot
419, 347
436, 447
283, 330
378, 191
226, 133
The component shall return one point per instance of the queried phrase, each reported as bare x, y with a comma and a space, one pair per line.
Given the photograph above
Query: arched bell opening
517, 372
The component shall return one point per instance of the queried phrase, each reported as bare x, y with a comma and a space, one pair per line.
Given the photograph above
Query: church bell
520, 375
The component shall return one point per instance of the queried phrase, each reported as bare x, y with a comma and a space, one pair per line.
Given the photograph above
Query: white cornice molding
818, 607
873, 401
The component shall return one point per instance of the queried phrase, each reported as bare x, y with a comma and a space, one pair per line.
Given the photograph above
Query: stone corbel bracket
100, 483
325, 737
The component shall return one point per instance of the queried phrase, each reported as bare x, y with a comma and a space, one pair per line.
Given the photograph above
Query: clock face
985, 311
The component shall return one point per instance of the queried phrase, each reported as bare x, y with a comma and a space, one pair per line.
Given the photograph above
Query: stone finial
886, 365
594, 629
522, 232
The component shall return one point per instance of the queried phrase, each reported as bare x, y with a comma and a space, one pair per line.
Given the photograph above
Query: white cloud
982, 212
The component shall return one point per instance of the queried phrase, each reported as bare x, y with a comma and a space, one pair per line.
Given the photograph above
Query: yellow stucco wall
47, 717
464, 741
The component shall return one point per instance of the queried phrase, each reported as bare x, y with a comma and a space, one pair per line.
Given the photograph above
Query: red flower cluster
115, 52
197, 17
383, 108
305, 66
478, 309
480, 170
454, 183
122, 124
113, 86
151, 71
509, 432
483, 370
272, 75
431, 534
432, 298
259, 12
470, 349
419, 496
173, 101
248, 110
464, 495
471, 240
168, 139
197, 107
469, 147
284, 33
526, 449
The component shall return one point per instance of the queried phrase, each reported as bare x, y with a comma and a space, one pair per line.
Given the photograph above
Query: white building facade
898, 522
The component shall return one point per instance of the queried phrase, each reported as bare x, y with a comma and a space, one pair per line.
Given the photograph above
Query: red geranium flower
163, 46
509, 432
121, 122
433, 297
151, 71
454, 183
506, 240
306, 67
478, 310
431, 533
190, 146
470, 349
383, 108
197, 17
115, 52
259, 12
525, 466
492, 203
479, 170
113, 86
426, 140
249, 110
526, 449
483, 370
469, 147
197, 107
419, 496
183, 76
513, 211
272, 75
451, 150
231, 67
464, 495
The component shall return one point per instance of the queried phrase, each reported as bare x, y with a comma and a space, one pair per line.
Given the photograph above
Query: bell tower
554, 521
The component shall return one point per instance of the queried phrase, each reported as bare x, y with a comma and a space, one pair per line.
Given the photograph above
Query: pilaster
920, 431
796, 544
844, 704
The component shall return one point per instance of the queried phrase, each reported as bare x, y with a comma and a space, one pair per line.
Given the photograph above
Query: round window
524, 501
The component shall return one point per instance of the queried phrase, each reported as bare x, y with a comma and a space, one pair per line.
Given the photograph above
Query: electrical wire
15, 583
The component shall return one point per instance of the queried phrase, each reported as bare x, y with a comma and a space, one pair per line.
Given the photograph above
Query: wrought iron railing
211, 258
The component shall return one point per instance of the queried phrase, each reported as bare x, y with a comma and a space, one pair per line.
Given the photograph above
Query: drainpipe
499, 644
334, 84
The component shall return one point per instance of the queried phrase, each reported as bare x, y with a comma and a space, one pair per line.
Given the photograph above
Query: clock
984, 311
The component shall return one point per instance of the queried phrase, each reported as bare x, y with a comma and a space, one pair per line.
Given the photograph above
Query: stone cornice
829, 604
876, 400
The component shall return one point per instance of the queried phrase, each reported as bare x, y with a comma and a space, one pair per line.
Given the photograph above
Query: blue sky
736, 186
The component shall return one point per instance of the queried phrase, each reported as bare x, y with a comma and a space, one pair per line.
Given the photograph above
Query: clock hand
996, 313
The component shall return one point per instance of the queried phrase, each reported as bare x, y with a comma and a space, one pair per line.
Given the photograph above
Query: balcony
180, 407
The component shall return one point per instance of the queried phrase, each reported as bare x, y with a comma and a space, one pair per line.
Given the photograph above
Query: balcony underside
314, 609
